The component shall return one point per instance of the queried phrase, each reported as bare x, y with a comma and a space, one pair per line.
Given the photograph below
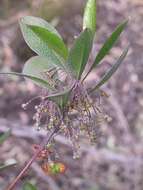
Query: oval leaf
29, 186
51, 40
89, 18
113, 69
42, 38
78, 55
36, 21
38, 66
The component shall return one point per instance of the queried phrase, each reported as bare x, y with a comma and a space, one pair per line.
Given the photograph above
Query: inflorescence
81, 116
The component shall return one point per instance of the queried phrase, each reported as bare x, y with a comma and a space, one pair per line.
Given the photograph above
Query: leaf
108, 44
61, 98
40, 82
78, 55
51, 40
4, 136
37, 66
42, 38
29, 186
113, 69
8, 163
89, 18
36, 21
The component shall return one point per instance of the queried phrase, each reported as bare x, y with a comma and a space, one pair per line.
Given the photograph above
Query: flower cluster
80, 116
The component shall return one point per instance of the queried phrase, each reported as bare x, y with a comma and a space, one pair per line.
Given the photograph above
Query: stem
86, 74
45, 142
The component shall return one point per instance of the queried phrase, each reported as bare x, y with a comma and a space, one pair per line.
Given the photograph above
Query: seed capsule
53, 168
62, 167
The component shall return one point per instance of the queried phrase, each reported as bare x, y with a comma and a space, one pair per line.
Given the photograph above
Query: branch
45, 142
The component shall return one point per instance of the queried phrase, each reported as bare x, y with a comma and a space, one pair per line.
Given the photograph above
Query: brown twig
46, 141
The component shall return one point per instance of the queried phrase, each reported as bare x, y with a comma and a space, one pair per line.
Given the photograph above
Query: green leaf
42, 38
78, 55
29, 186
89, 18
110, 42
51, 40
40, 82
4, 136
113, 69
61, 98
36, 21
37, 66
108, 45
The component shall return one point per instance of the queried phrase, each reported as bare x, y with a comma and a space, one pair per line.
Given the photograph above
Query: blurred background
116, 161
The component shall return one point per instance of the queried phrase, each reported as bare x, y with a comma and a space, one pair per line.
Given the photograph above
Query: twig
46, 141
